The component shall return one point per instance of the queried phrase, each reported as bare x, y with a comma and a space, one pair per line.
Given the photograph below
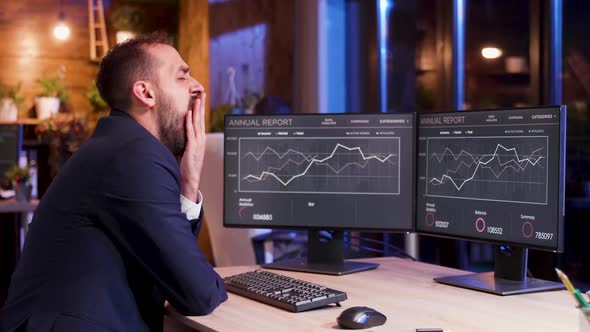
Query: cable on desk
396, 249
365, 248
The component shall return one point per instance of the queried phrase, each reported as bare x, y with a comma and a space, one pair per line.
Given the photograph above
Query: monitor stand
509, 276
324, 255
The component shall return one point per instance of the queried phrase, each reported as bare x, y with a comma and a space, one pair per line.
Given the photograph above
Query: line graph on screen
339, 165
494, 168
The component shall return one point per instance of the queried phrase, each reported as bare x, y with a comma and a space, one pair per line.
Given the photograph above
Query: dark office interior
306, 56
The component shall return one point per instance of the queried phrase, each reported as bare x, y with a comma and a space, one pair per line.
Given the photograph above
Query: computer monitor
320, 172
494, 176
10, 146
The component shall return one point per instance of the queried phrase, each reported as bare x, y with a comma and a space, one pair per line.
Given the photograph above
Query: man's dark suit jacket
108, 242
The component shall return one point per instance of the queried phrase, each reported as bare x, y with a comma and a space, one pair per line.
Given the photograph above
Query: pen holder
584, 320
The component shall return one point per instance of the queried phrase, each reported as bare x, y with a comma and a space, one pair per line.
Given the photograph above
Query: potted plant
20, 177
53, 92
244, 105
11, 100
64, 133
217, 117
99, 106
127, 21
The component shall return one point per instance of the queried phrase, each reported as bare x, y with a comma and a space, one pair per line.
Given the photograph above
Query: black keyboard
283, 292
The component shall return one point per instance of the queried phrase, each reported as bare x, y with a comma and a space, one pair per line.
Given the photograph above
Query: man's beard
172, 125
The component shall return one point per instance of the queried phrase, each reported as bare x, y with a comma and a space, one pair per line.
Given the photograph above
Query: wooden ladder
99, 44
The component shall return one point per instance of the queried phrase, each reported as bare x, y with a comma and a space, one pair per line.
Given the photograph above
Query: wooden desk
26, 121
11, 205
405, 293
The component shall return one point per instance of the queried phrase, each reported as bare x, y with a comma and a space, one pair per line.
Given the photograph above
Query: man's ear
144, 92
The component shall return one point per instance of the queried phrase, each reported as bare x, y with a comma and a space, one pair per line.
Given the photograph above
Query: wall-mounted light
490, 52
61, 30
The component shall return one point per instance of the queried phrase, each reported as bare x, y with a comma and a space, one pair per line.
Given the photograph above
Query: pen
575, 292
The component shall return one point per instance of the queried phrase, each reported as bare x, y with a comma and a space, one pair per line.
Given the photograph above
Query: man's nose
196, 88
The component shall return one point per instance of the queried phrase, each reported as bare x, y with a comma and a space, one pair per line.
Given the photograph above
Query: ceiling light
61, 30
491, 52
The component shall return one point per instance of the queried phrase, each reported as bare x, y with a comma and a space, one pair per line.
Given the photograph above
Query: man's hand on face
192, 159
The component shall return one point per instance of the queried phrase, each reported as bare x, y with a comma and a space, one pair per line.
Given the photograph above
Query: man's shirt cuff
190, 208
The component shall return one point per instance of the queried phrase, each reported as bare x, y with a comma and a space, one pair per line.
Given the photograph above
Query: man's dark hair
124, 64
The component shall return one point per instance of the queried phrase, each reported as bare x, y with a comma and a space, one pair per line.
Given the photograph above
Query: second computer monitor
495, 176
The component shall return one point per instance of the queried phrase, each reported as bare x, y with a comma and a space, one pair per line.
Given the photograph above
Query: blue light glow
384, 8
459, 50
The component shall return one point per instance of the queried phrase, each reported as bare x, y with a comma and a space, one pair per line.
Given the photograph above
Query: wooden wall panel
30, 50
193, 39
193, 45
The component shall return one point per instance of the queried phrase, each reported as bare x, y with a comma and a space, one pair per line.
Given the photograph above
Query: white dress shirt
190, 208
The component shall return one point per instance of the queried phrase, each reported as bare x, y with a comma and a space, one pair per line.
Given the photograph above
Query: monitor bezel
414, 137
561, 185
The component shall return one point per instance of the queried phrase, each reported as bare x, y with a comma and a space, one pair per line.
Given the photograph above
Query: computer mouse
360, 318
